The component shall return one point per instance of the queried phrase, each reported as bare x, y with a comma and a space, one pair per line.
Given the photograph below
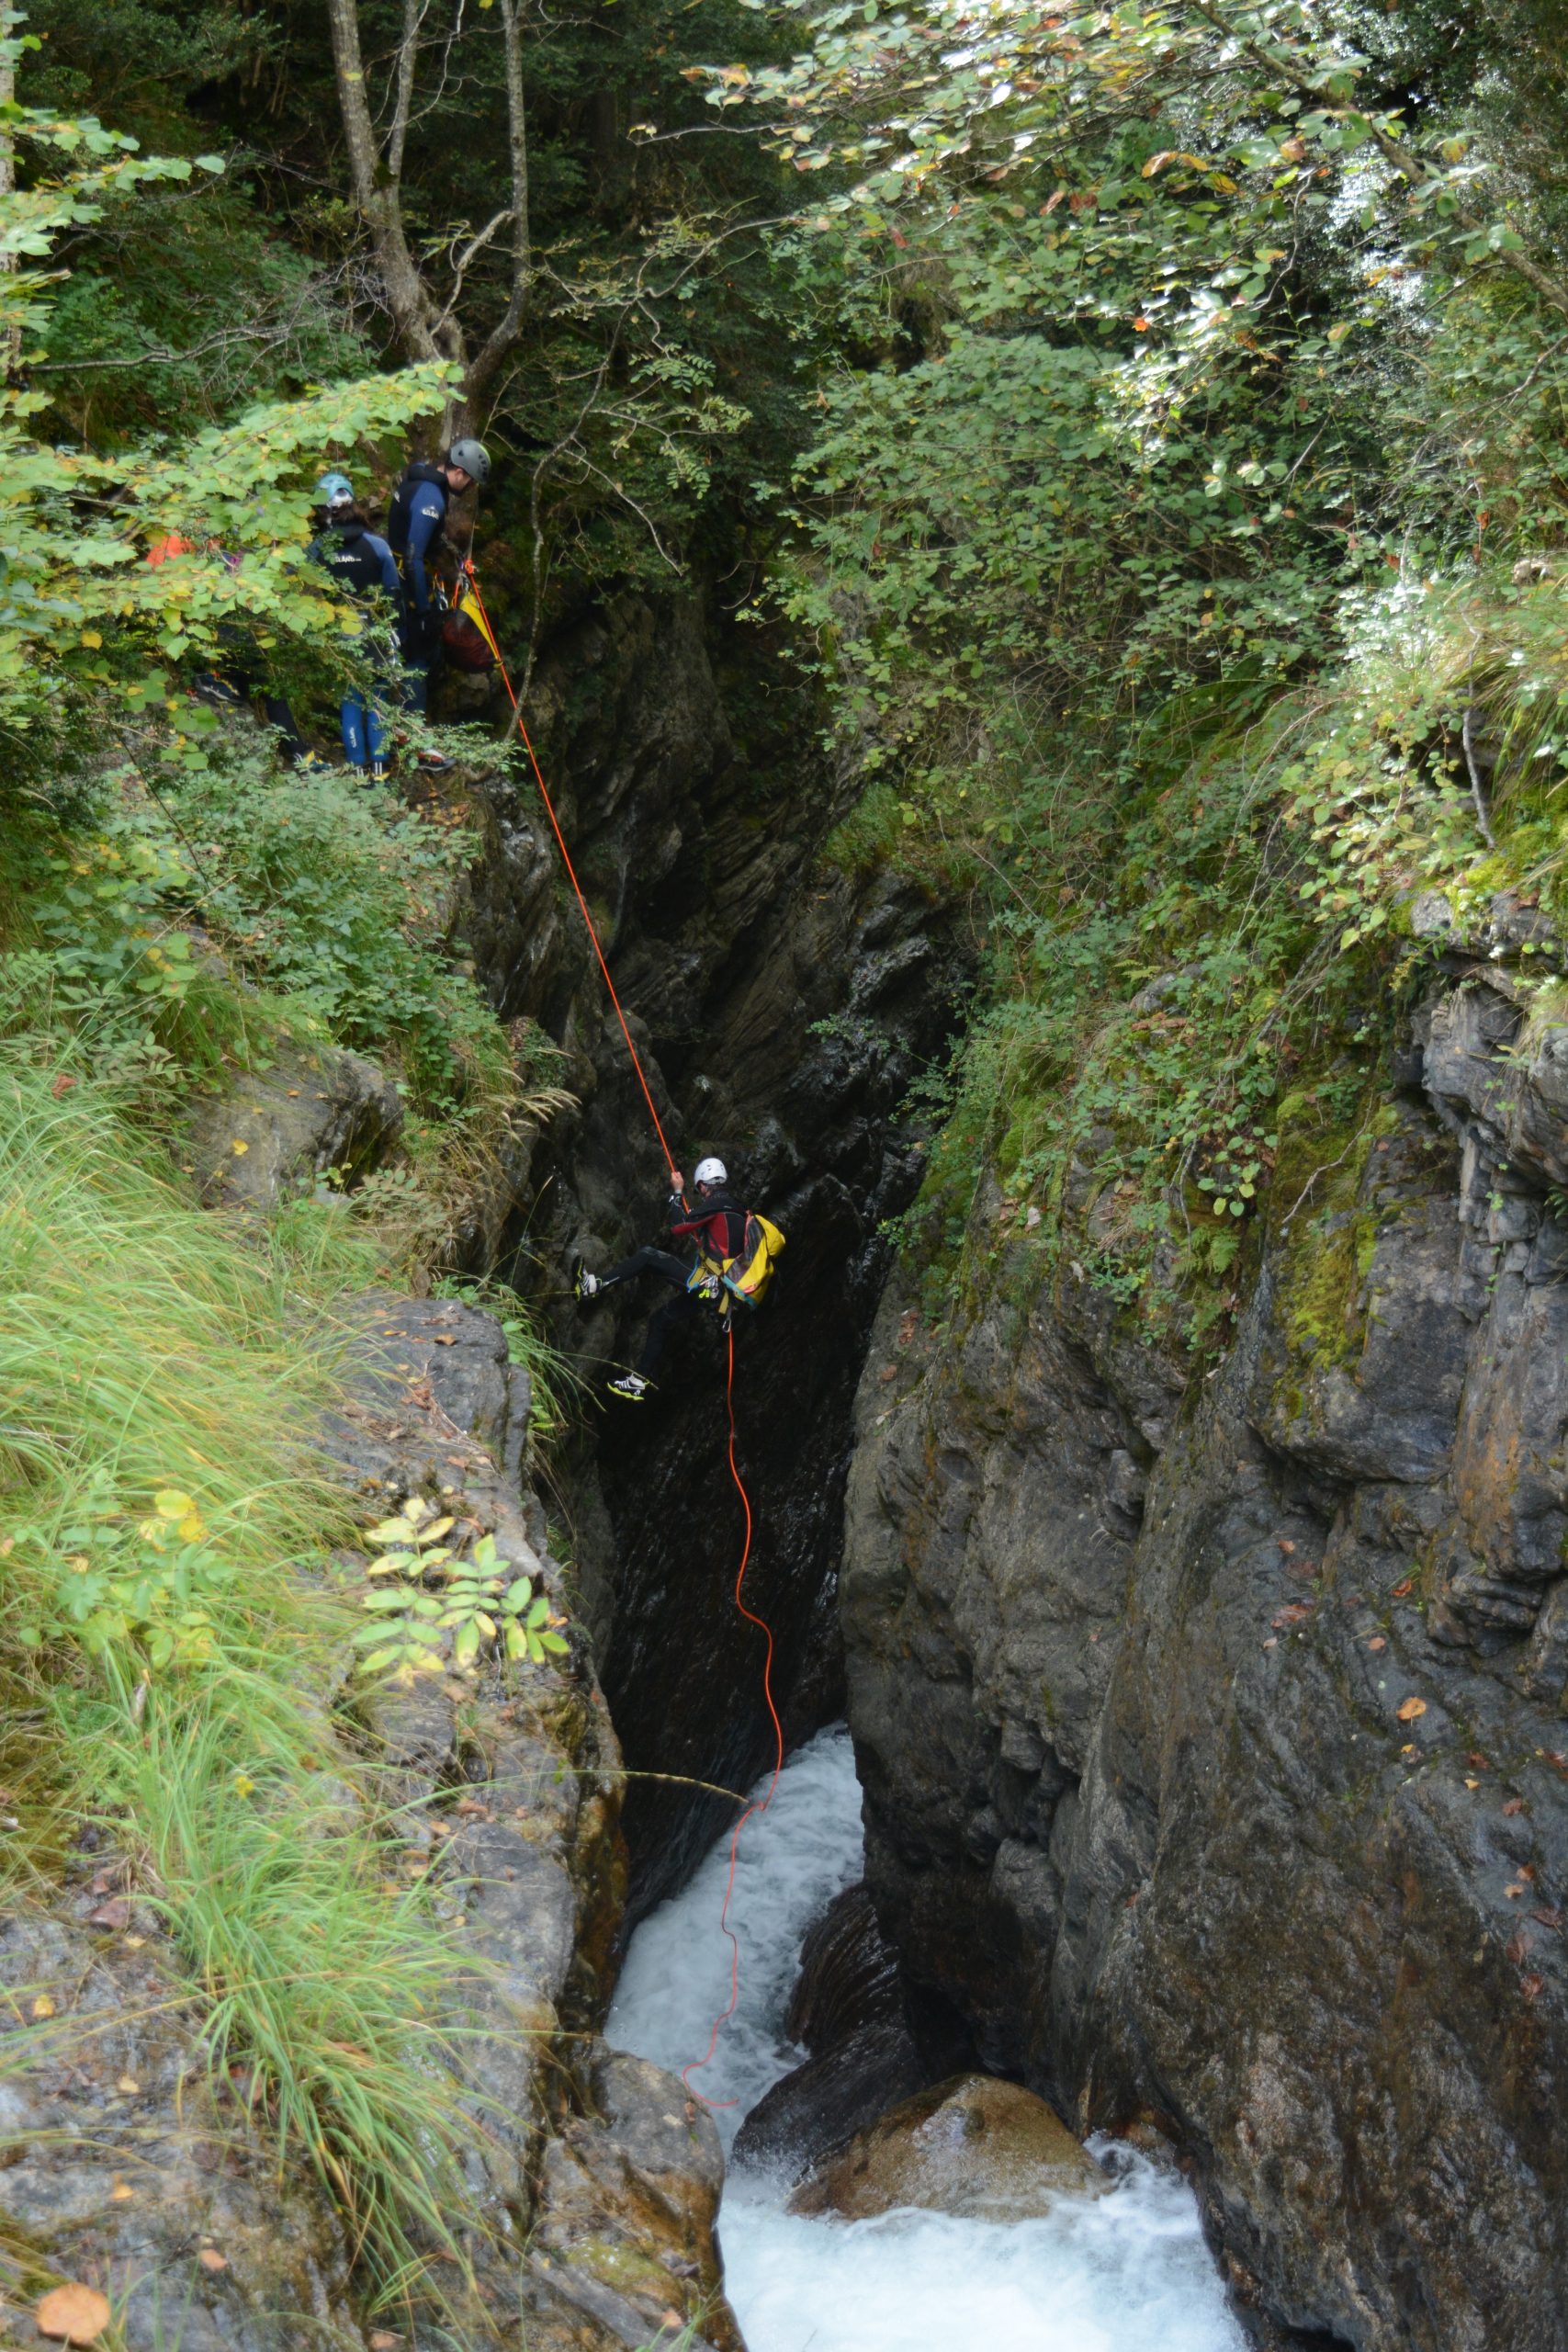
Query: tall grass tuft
142, 1351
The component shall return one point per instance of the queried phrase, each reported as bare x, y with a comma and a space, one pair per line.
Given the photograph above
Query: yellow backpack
746, 1275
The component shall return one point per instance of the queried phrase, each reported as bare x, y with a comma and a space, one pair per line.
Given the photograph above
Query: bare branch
475, 246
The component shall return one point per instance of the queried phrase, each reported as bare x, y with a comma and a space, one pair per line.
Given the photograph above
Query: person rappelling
415, 521
734, 1254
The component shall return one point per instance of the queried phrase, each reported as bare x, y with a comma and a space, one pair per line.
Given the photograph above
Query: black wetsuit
718, 1227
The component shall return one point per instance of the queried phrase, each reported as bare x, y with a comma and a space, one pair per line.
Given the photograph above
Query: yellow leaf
192, 1527
1411, 1709
43, 2007
169, 1503
72, 2315
239, 1149
120, 2191
92, 636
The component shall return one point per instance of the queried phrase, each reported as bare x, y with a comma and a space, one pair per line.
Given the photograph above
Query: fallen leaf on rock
1470, 1783
61, 1085
239, 1149
1514, 1892
382, 2341
115, 1913
120, 2191
671, 2319
1291, 1613
1517, 1946
1549, 1916
1411, 1707
128, 2086
444, 1340
1476, 1757
889, 1372
1530, 1986
1404, 1589
211, 2259
1377, 1643
72, 2315
43, 2007
1286, 1546
1514, 1804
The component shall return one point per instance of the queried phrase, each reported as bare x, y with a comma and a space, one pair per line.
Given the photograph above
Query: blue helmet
334, 490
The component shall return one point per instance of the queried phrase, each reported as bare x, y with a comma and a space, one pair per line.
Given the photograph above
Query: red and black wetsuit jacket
718, 1231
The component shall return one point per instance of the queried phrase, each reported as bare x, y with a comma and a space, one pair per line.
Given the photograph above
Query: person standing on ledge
415, 521
362, 565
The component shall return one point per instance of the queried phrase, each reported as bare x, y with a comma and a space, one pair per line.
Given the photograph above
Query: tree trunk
378, 197
11, 340
424, 327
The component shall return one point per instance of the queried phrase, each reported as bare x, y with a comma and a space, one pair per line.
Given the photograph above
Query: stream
1118, 2273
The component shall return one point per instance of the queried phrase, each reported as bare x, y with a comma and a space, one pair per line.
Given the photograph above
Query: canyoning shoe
583, 1284
633, 1388
380, 770
434, 763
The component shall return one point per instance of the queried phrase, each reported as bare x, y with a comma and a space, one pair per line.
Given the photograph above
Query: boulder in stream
974, 2145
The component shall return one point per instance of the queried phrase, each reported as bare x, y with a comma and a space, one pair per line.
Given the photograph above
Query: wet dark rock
1252, 1809
782, 1007
975, 2146
848, 2012
849, 1977
273, 1132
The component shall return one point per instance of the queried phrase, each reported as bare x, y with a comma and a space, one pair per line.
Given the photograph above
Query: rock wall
1212, 1733
781, 1005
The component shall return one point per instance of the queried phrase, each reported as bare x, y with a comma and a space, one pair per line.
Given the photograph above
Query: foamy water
1127, 2272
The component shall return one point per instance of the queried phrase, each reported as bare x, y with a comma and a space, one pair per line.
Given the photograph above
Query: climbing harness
744, 1276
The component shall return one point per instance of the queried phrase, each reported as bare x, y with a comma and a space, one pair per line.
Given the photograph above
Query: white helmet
711, 1172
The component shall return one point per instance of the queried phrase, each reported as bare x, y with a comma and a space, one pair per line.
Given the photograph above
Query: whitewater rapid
1120, 2273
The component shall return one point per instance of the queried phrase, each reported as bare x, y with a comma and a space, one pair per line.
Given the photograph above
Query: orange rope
696, 2064
472, 578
